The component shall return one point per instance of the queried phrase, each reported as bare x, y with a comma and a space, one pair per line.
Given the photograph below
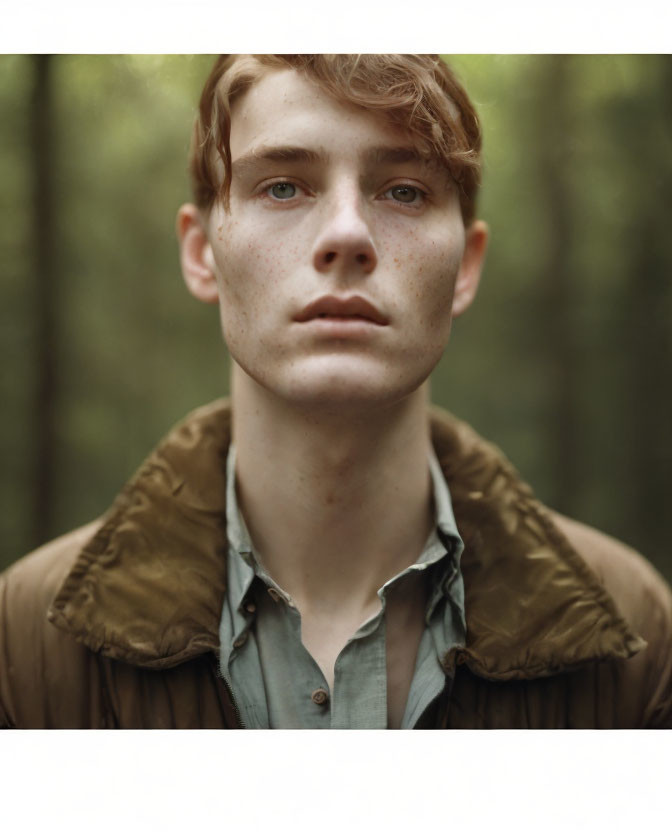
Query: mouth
353, 309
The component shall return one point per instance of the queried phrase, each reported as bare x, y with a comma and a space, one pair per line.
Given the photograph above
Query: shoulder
41, 571
628, 577
33, 653
644, 600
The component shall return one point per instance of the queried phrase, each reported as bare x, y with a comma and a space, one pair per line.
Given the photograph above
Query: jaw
346, 382
326, 411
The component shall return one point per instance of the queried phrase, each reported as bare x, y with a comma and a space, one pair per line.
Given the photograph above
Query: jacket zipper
234, 703
219, 675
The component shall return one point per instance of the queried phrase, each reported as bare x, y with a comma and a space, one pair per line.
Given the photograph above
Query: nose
344, 243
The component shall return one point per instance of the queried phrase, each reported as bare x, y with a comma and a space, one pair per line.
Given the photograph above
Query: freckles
234, 296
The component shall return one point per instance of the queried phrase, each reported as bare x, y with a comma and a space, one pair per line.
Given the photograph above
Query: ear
469, 275
198, 265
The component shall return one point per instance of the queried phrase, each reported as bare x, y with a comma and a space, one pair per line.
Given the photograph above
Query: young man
324, 551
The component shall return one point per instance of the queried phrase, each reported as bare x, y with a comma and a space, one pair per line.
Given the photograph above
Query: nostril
362, 258
329, 256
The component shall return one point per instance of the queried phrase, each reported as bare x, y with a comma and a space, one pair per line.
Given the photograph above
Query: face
343, 255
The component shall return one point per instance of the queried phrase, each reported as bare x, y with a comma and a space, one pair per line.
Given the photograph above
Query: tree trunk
45, 297
648, 398
557, 338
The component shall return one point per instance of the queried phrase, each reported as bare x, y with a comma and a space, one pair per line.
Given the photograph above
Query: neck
335, 504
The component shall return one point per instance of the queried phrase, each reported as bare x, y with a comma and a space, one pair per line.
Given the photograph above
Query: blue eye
282, 190
406, 194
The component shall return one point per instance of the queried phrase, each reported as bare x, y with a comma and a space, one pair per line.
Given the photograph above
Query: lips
331, 307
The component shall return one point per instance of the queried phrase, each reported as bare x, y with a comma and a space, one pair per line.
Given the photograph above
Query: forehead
285, 109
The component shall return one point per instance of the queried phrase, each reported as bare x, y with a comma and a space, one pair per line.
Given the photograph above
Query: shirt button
275, 595
242, 638
319, 696
250, 607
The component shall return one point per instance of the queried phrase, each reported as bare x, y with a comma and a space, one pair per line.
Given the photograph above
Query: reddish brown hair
417, 93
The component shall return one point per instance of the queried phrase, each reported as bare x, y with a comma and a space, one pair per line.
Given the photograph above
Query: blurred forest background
564, 361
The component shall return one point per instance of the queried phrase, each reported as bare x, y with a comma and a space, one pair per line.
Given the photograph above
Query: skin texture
343, 501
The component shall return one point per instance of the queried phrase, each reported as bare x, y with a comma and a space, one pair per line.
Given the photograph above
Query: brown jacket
116, 624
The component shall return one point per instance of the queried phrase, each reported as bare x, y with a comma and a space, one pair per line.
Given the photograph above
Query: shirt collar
236, 530
444, 543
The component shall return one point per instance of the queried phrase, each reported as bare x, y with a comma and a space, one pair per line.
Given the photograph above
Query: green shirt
275, 681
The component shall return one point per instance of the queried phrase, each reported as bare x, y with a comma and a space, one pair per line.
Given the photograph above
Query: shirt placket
360, 698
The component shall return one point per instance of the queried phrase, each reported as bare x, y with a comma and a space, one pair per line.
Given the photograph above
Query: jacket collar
148, 588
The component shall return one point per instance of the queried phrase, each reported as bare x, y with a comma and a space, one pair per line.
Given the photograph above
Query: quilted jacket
115, 625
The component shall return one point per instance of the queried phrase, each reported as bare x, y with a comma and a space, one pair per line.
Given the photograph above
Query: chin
348, 393
345, 385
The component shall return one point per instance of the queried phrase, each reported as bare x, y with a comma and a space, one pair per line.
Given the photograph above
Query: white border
184, 26
313, 780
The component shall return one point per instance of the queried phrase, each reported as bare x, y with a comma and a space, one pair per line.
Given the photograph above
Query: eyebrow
393, 156
287, 154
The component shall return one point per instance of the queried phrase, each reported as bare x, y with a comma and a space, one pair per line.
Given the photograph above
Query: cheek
428, 267
249, 270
